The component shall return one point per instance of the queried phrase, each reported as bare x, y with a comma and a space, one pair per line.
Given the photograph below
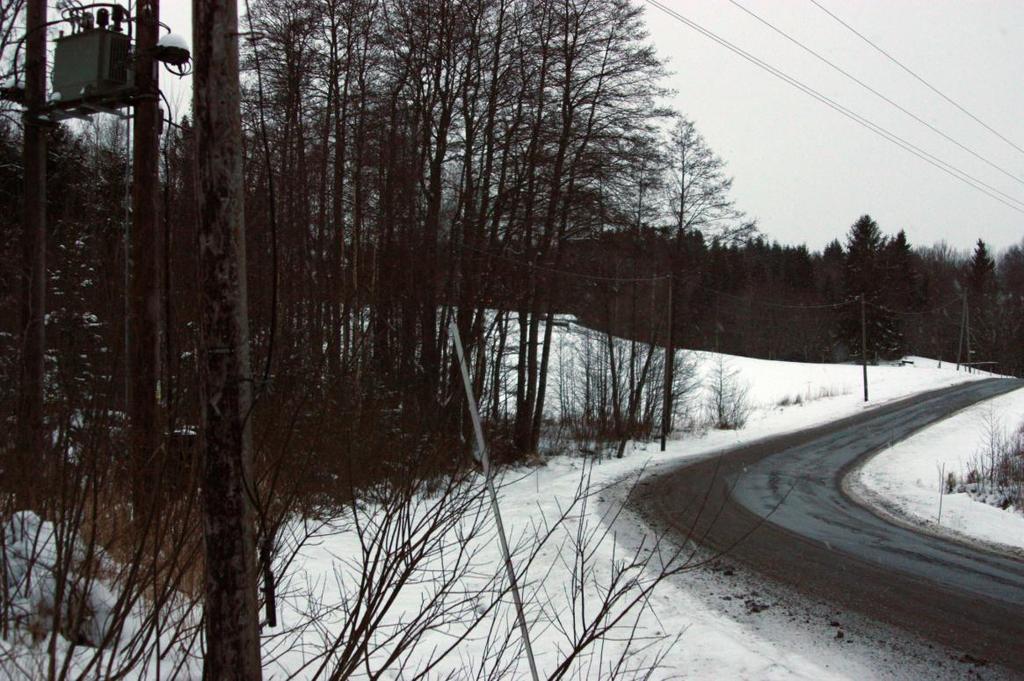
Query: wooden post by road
230, 608
969, 364
864, 344
963, 327
30, 434
670, 350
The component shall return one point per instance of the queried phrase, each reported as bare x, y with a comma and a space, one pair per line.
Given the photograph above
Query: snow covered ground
907, 477
699, 624
718, 636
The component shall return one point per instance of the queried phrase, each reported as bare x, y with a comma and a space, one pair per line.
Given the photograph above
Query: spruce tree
981, 272
1011, 286
902, 277
982, 298
864, 274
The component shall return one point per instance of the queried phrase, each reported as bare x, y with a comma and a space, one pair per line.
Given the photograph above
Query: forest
495, 163
412, 167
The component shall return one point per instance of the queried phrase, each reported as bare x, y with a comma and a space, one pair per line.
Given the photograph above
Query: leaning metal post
480, 454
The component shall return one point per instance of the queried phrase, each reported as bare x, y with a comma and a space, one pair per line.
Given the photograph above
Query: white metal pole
480, 454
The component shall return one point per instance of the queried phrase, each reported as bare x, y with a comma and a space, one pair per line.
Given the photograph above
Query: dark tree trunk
232, 635
30, 409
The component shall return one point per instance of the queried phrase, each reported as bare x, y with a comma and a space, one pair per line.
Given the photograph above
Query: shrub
728, 406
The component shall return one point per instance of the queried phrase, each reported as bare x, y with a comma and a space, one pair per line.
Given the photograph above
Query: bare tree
699, 188
12, 19
727, 404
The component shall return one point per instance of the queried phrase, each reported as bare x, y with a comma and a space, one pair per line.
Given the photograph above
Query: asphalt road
778, 506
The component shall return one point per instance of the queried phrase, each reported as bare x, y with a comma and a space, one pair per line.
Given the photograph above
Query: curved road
819, 540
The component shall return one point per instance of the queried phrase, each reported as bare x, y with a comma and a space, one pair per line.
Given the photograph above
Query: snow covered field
712, 642
909, 475
693, 624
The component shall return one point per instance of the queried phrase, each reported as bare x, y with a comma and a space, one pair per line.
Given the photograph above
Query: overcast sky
806, 172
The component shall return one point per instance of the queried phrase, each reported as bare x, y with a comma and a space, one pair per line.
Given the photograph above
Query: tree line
408, 166
764, 299
487, 161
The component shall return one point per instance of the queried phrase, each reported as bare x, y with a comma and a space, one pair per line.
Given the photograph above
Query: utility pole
230, 606
144, 293
963, 322
30, 435
670, 351
967, 335
864, 344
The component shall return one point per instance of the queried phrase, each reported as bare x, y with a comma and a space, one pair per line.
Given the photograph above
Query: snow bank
705, 641
908, 477
711, 644
43, 588
34, 575
52, 599
769, 383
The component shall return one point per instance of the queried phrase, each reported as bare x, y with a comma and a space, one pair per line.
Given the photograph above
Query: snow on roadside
908, 476
785, 397
817, 388
712, 644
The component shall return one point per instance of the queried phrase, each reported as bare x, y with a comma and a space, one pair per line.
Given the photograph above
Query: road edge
851, 487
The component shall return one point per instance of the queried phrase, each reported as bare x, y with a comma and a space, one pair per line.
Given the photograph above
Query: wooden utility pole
670, 352
30, 435
230, 612
969, 365
864, 344
963, 327
144, 294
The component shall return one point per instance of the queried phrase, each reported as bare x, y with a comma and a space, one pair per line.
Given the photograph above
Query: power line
907, 313
878, 94
783, 306
917, 77
568, 273
691, 275
945, 167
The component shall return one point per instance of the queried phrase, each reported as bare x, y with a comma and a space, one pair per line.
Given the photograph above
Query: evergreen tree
1011, 313
981, 272
902, 276
864, 275
982, 300
903, 290
830, 272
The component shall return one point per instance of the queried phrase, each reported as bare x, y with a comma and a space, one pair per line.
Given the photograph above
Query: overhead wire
875, 92
944, 166
783, 306
568, 273
910, 313
596, 277
921, 80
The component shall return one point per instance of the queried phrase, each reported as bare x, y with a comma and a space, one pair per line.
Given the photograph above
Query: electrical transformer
93, 65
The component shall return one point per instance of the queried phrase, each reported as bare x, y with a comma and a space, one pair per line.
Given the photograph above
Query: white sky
805, 171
